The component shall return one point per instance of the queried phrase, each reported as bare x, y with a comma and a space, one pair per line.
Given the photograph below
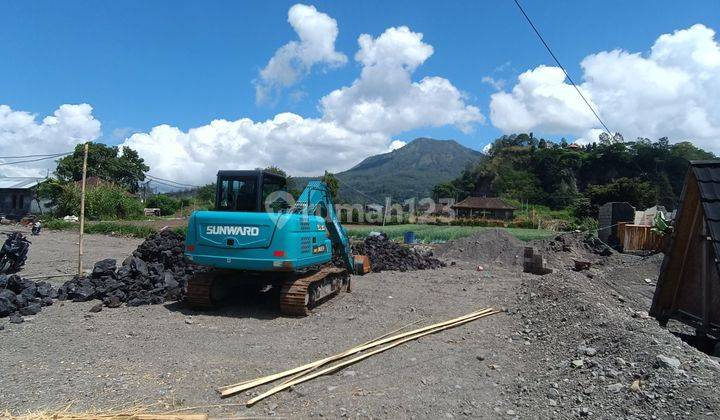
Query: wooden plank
356, 359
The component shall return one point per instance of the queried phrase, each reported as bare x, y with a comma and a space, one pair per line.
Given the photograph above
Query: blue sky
144, 63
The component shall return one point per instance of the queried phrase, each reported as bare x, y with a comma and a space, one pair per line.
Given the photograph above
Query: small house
18, 197
688, 288
484, 207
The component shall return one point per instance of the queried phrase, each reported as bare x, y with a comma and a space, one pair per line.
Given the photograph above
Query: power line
166, 184
34, 160
156, 179
562, 67
34, 156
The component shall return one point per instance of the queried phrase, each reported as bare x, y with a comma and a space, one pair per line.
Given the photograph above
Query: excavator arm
317, 199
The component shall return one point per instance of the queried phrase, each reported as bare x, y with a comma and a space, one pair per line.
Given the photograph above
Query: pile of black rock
23, 297
157, 271
386, 254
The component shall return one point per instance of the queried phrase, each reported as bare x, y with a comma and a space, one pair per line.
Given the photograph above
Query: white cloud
357, 121
385, 99
317, 32
396, 144
21, 134
671, 91
497, 84
299, 145
541, 101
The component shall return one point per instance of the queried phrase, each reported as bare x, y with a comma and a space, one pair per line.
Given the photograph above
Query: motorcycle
14, 252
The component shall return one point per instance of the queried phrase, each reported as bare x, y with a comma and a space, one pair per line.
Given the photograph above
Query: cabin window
238, 194
271, 185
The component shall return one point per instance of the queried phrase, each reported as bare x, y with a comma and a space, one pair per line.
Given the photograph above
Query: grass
106, 228
423, 233
435, 233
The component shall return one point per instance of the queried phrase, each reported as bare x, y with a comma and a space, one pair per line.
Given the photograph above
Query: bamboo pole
361, 357
305, 372
228, 390
82, 212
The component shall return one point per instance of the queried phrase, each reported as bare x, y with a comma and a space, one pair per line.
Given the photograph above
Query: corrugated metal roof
18, 182
708, 176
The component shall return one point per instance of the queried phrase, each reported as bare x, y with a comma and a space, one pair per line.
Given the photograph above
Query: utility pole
82, 213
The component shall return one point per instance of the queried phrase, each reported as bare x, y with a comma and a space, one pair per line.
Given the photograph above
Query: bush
107, 228
166, 204
121, 229
102, 202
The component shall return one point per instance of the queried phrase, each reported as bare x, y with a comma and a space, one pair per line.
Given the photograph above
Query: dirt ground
56, 252
521, 363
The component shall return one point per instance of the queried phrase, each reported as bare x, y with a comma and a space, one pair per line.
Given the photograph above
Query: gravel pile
602, 356
486, 247
20, 296
387, 255
157, 271
561, 250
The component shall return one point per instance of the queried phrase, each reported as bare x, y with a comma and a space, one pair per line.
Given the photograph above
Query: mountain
410, 171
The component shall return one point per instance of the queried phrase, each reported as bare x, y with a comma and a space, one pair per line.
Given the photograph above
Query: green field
435, 233
423, 233
107, 228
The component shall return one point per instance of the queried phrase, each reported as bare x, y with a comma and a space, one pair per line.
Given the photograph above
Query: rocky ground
571, 344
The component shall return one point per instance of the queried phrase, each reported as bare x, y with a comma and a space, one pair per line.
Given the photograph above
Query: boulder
6, 306
104, 267
31, 309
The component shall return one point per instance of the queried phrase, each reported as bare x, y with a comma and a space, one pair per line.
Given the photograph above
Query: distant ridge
410, 171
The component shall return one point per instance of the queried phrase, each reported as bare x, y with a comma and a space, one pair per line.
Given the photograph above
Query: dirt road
571, 344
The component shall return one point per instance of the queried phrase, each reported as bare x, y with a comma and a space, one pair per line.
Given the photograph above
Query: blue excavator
257, 236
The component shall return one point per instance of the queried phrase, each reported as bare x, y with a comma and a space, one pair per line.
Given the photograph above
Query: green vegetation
166, 204
107, 228
332, 183
570, 183
441, 233
120, 173
103, 202
123, 167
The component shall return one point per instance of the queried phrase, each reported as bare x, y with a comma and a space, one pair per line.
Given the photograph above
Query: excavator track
199, 294
300, 294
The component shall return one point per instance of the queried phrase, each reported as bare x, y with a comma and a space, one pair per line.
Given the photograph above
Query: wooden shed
688, 288
484, 207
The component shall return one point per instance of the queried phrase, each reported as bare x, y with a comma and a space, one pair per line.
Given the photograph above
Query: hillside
529, 169
410, 171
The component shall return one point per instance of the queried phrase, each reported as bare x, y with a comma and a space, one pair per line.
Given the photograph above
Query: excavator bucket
362, 264
688, 288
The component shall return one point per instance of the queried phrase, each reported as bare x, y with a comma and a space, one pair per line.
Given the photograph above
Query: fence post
82, 212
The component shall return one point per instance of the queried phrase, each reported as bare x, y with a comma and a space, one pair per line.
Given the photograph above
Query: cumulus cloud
671, 91
21, 134
302, 146
357, 121
385, 99
317, 32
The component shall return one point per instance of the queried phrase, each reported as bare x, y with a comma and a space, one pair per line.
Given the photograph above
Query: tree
122, 167
640, 194
332, 183
277, 171
165, 203
205, 196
